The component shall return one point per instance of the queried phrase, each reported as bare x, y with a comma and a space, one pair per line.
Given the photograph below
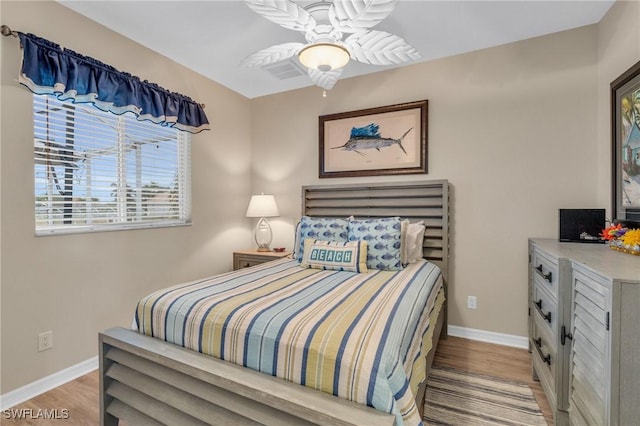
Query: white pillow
415, 235
412, 235
404, 224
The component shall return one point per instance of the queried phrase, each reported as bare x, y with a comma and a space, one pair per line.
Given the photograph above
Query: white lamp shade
324, 56
262, 206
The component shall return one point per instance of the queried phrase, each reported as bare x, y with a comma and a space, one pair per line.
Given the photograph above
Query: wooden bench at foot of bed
146, 381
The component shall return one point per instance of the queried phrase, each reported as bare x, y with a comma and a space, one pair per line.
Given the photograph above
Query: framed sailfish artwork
388, 140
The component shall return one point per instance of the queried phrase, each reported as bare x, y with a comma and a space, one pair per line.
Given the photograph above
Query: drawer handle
564, 335
546, 316
546, 276
545, 358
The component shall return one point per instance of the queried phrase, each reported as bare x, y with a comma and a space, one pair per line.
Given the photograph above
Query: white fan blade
380, 48
284, 13
350, 16
325, 80
272, 54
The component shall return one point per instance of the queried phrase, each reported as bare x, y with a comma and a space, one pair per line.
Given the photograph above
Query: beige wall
513, 128
76, 285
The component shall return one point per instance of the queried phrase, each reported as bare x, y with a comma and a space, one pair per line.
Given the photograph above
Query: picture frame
388, 140
625, 145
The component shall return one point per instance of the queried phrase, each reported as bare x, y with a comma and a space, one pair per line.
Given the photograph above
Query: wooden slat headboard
418, 200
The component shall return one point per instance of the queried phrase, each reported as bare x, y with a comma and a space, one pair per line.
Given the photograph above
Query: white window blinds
97, 171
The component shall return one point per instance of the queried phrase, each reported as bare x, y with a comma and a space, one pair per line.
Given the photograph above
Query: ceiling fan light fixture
324, 56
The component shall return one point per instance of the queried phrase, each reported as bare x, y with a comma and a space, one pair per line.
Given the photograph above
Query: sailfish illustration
368, 137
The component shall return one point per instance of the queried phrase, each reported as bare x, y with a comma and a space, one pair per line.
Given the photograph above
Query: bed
149, 380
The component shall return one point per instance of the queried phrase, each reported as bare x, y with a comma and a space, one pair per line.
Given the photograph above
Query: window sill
89, 229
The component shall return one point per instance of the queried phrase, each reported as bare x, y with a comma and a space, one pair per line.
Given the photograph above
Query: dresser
584, 331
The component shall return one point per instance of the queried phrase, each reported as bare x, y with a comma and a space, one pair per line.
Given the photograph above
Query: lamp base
263, 235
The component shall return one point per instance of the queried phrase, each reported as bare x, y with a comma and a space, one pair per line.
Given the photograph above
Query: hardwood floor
80, 397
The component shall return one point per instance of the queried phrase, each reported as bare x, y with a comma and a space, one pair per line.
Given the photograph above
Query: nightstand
246, 258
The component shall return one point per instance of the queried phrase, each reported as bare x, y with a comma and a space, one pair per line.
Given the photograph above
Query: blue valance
49, 69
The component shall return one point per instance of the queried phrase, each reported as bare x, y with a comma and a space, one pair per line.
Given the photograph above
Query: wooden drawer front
545, 272
544, 360
545, 310
248, 258
543, 346
242, 260
590, 348
246, 263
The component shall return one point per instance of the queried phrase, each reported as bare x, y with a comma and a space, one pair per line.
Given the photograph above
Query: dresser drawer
545, 272
545, 309
543, 355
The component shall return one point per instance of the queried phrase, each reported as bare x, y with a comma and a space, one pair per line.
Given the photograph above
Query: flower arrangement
622, 239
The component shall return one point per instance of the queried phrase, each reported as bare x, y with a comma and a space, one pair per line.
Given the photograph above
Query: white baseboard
45, 384
489, 336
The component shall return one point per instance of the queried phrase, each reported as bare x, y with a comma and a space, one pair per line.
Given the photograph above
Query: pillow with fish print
320, 228
383, 241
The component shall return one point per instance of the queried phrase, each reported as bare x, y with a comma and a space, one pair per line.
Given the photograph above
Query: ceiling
213, 37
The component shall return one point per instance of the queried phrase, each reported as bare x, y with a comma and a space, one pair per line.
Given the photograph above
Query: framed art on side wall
625, 143
389, 140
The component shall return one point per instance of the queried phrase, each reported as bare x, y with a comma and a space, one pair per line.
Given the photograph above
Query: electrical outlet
45, 341
472, 302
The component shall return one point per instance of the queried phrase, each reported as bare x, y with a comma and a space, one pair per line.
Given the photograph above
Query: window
97, 171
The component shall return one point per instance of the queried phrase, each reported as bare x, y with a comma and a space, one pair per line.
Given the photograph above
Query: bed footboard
145, 381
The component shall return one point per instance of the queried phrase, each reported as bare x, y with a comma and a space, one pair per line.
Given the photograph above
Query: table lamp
263, 206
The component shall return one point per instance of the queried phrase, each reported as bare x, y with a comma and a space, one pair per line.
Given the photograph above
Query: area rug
457, 397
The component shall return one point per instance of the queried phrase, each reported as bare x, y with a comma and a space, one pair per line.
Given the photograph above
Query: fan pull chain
324, 93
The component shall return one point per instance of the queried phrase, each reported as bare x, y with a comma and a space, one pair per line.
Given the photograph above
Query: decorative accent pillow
383, 241
414, 237
320, 228
340, 256
404, 225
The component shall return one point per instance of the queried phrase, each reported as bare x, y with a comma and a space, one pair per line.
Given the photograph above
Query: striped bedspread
353, 335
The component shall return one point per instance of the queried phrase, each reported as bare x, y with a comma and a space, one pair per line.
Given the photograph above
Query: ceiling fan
324, 24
